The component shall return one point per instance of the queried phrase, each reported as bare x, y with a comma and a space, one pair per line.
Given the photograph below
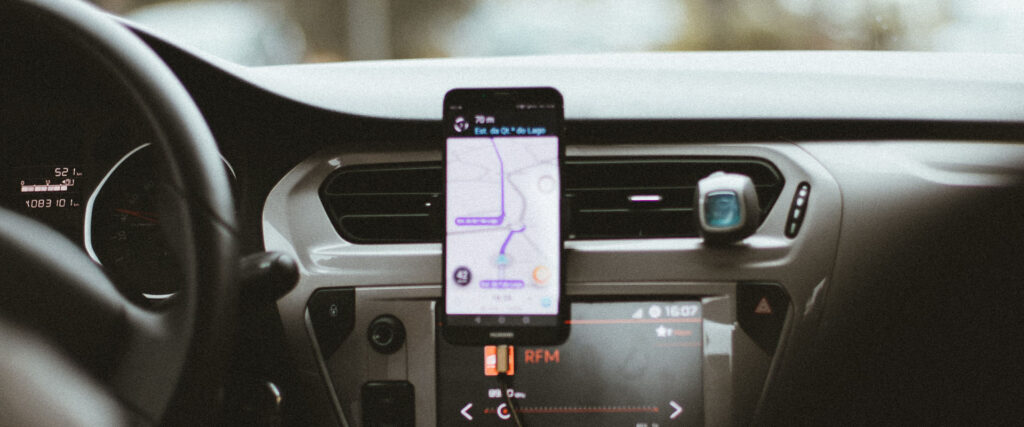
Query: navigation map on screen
503, 238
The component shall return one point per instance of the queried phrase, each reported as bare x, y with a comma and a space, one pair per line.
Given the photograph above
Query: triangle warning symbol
763, 307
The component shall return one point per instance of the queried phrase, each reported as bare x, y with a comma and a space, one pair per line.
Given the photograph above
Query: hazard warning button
763, 306
761, 310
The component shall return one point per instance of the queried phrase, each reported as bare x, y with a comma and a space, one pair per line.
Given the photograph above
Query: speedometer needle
148, 216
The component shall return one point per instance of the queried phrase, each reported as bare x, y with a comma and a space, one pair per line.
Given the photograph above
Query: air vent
608, 198
386, 203
614, 198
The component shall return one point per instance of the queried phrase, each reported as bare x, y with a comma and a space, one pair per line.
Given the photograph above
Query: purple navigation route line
510, 233
489, 220
495, 221
503, 283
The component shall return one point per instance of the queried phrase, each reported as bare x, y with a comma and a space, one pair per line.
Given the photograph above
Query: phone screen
503, 198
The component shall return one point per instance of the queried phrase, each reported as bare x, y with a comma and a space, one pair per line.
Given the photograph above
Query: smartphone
504, 276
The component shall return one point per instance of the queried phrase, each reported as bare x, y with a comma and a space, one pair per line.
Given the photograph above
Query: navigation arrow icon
465, 411
678, 409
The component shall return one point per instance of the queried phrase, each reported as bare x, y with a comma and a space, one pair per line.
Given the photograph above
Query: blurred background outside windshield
267, 32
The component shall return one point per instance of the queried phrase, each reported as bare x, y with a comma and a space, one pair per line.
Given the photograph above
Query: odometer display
52, 194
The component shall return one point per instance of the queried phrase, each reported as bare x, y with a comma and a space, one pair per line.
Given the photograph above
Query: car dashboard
883, 283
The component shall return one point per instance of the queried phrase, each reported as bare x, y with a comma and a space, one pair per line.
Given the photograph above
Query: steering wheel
69, 337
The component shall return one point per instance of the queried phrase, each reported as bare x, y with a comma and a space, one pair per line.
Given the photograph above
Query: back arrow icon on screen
465, 411
677, 407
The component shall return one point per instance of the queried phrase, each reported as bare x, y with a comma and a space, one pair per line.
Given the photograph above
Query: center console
665, 329
638, 354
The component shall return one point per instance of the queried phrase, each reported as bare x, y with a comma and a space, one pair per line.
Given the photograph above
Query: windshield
295, 31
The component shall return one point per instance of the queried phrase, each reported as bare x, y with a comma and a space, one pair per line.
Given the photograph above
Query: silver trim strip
324, 374
87, 224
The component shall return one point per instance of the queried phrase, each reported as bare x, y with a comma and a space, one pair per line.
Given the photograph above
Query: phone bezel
495, 99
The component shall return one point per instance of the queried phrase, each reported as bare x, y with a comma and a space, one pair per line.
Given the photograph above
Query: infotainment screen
625, 363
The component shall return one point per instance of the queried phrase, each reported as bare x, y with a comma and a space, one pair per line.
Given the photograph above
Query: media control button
503, 412
676, 409
761, 311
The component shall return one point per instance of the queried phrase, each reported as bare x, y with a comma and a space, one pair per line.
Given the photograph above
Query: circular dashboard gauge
127, 231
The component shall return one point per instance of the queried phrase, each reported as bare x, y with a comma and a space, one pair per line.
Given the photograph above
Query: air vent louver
609, 198
617, 198
387, 203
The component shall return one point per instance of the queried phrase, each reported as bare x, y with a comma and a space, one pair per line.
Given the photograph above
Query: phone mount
727, 208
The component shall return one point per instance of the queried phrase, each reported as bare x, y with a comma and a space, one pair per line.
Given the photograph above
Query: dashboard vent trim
606, 197
386, 203
650, 197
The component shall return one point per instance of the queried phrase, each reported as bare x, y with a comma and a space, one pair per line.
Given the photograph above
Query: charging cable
502, 363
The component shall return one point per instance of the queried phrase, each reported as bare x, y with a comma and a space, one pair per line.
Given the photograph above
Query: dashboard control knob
727, 208
386, 334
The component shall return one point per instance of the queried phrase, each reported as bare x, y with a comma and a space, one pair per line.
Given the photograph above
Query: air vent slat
607, 198
416, 178
386, 203
618, 197
389, 229
599, 193
398, 203
629, 224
